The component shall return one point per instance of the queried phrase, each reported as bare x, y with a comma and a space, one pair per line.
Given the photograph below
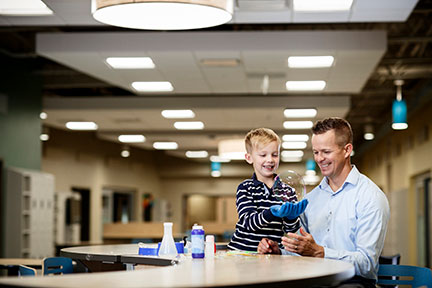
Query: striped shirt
255, 220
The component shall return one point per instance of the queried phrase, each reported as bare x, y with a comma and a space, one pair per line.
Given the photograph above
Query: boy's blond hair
260, 136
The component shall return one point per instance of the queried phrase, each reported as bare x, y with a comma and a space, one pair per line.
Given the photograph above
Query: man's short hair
260, 136
342, 128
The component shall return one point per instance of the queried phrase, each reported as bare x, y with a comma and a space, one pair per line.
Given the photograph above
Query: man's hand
289, 210
267, 246
303, 244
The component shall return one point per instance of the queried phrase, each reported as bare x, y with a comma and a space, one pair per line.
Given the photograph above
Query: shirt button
330, 212
328, 230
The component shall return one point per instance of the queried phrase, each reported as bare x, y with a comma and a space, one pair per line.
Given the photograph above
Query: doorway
85, 212
424, 221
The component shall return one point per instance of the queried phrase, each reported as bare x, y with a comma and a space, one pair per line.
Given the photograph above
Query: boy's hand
267, 246
289, 210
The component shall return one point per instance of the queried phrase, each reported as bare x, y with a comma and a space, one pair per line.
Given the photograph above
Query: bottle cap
198, 227
168, 223
209, 238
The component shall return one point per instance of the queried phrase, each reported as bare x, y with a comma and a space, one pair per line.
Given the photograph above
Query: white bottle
209, 246
168, 248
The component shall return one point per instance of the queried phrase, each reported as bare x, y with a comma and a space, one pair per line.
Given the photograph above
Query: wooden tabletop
20, 261
223, 271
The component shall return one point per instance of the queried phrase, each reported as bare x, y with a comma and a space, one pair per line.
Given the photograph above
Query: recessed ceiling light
215, 158
77, 125
220, 62
305, 85
300, 113
297, 124
294, 145
155, 86
43, 115
295, 137
165, 145
177, 114
189, 125
291, 159
131, 138
125, 153
24, 8
319, 5
44, 137
196, 154
368, 136
310, 61
399, 126
292, 153
130, 62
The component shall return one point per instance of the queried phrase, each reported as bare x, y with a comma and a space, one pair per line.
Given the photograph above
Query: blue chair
57, 265
24, 270
421, 277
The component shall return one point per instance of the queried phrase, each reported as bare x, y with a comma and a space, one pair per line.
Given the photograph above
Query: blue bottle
197, 235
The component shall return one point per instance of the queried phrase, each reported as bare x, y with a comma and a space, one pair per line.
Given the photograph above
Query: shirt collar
258, 183
352, 178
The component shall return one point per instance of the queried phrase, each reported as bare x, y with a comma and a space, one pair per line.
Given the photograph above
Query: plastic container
210, 247
197, 236
147, 249
168, 248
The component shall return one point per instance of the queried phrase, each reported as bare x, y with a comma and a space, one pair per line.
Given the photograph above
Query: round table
225, 270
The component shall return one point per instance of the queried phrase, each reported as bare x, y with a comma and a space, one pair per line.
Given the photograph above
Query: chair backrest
24, 270
57, 265
421, 277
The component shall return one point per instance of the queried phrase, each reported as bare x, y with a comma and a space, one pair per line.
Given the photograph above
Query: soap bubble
294, 181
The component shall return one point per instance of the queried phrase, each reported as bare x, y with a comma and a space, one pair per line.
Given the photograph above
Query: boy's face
264, 159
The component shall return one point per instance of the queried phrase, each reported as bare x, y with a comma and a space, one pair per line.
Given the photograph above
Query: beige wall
84, 166
393, 163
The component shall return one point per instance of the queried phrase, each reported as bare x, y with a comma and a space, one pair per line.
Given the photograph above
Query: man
347, 215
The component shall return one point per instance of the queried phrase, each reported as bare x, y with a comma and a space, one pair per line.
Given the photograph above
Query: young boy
260, 214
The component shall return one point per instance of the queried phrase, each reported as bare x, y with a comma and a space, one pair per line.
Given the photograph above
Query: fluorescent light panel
294, 145
292, 153
215, 158
155, 86
295, 137
189, 125
300, 113
77, 125
310, 61
197, 154
178, 114
131, 138
24, 8
297, 124
233, 155
130, 62
321, 6
291, 159
165, 145
316, 85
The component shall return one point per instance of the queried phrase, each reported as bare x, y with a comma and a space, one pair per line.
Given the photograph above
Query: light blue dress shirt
350, 223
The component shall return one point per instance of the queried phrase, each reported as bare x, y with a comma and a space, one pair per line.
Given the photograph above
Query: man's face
265, 159
330, 157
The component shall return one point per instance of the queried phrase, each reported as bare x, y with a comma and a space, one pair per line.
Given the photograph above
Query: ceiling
373, 44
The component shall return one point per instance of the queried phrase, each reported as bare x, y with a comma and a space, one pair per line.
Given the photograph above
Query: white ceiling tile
309, 17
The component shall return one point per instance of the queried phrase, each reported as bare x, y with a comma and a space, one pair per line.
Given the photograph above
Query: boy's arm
249, 217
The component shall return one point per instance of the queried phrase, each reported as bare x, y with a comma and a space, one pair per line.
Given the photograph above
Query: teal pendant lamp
399, 109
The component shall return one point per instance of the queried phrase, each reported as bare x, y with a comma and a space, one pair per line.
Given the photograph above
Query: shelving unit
29, 214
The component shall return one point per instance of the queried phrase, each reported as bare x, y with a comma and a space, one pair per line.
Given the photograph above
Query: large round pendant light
163, 14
